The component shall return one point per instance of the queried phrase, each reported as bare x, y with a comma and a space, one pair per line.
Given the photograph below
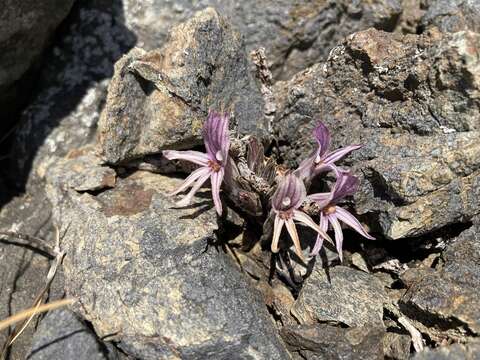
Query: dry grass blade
30, 240
25, 314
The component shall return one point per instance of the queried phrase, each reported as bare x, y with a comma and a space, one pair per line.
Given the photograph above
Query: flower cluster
290, 195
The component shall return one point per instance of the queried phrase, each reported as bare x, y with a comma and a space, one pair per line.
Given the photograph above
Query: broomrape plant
249, 179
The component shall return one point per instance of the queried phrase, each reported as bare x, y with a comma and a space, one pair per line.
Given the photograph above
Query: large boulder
159, 99
145, 276
413, 101
296, 34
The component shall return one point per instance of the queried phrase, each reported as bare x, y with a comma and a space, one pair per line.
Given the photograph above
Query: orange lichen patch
128, 201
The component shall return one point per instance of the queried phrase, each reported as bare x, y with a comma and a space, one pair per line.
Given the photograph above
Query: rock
453, 16
326, 342
145, 277
295, 34
401, 96
444, 303
72, 87
341, 295
61, 335
159, 99
22, 269
397, 346
25, 30
452, 352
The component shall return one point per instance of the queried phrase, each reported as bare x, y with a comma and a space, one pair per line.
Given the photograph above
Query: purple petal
319, 243
322, 135
306, 168
345, 185
340, 153
277, 230
189, 155
188, 198
216, 179
338, 234
307, 220
350, 220
290, 194
191, 179
322, 199
216, 136
292, 230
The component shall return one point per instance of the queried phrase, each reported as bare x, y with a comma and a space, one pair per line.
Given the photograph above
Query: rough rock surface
159, 99
452, 15
444, 303
452, 352
340, 295
326, 342
63, 113
61, 336
25, 30
413, 101
296, 34
144, 277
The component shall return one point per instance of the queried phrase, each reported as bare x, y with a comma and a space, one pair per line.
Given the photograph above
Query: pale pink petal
340, 153
338, 234
292, 230
350, 220
198, 184
322, 199
277, 230
217, 178
191, 179
319, 243
193, 156
307, 220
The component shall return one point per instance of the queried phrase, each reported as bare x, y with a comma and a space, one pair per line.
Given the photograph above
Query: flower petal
345, 185
216, 136
191, 179
216, 179
338, 234
322, 135
319, 243
291, 188
322, 199
277, 230
188, 198
193, 156
350, 220
340, 153
307, 220
292, 230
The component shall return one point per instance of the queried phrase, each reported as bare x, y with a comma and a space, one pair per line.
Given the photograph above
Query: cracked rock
341, 295
444, 303
414, 102
146, 279
159, 99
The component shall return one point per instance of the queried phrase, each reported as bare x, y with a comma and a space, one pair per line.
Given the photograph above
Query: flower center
286, 201
329, 209
214, 165
285, 215
219, 156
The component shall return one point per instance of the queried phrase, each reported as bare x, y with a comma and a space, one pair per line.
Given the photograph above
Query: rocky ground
94, 94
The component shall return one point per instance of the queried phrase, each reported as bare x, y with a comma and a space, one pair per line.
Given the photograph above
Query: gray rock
25, 31
341, 295
444, 303
22, 269
159, 99
451, 352
416, 113
61, 336
72, 87
145, 278
326, 342
295, 34
453, 15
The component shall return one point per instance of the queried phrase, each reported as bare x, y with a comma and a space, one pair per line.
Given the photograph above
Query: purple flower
286, 200
212, 163
321, 159
331, 213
